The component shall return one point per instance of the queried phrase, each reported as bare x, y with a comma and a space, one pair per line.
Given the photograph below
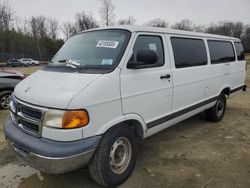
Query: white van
108, 88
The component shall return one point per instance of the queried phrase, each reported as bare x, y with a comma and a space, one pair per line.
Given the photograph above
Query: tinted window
145, 42
240, 51
189, 52
221, 52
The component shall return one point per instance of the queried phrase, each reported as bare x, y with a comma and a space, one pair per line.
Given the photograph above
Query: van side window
221, 51
148, 42
240, 51
189, 52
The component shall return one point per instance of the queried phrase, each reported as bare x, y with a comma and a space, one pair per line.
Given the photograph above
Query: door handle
168, 76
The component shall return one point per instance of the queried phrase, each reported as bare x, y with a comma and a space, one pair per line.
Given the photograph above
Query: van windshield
94, 50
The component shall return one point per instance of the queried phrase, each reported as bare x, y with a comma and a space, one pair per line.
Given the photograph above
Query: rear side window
148, 42
240, 51
189, 52
221, 51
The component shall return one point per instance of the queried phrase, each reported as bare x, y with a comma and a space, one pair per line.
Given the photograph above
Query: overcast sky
199, 11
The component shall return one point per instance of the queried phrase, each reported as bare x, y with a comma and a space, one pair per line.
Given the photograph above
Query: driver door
147, 91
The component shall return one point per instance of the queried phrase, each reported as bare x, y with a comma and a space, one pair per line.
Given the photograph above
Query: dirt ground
194, 153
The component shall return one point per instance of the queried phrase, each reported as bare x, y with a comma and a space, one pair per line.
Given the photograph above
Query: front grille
29, 112
26, 116
30, 126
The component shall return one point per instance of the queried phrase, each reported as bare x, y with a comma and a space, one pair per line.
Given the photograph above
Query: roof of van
140, 28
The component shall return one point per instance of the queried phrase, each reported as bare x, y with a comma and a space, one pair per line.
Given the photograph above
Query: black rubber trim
241, 88
45, 147
179, 113
245, 88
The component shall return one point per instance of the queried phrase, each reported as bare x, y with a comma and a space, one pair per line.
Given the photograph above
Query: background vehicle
15, 63
29, 61
8, 80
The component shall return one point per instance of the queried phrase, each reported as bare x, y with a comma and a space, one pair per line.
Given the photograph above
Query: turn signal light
75, 119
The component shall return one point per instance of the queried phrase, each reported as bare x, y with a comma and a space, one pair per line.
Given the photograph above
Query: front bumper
51, 157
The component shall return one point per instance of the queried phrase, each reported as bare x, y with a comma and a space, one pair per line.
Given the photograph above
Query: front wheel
5, 97
216, 113
115, 157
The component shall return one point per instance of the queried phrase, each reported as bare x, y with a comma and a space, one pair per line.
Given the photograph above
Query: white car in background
29, 61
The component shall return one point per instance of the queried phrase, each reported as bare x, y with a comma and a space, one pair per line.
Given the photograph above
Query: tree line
35, 37
40, 37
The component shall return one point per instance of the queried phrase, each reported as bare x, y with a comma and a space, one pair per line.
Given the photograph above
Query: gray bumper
48, 156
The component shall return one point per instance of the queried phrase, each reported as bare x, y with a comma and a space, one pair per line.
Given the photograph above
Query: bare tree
158, 22
39, 30
85, 22
26, 27
246, 38
18, 24
53, 27
69, 29
82, 22
128, 21
184, 25
199, 28
107, 12
227, 28
39, 26
6, 15
238, 30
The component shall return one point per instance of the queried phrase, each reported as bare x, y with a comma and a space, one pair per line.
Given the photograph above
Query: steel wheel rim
5, 101
219, 108
120, 155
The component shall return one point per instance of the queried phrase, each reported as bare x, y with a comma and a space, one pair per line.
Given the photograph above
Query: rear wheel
216, 113
115, 157
5, 99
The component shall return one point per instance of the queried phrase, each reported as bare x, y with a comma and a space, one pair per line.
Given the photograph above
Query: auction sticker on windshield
107, 44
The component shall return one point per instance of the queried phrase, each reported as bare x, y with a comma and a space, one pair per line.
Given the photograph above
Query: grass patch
248, 58
28, 70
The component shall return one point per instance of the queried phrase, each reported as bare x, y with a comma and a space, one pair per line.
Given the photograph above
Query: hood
53, 89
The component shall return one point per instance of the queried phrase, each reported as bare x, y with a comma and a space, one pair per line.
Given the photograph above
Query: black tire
100, 167
4, 96
216, 113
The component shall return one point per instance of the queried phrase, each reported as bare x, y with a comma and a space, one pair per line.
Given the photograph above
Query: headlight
66, 119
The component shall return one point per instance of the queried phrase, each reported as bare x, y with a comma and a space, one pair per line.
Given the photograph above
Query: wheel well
136, 127
133, 125
226, 91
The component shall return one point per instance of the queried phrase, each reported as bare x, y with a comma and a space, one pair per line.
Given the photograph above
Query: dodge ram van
107, 88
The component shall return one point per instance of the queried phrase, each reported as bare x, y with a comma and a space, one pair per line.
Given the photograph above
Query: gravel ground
193, 153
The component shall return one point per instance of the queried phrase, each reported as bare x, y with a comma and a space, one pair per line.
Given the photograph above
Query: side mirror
143, 57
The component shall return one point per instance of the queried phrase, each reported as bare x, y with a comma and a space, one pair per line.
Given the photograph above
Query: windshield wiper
70, 63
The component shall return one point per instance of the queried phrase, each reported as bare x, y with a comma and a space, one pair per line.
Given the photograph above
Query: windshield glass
95, 49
